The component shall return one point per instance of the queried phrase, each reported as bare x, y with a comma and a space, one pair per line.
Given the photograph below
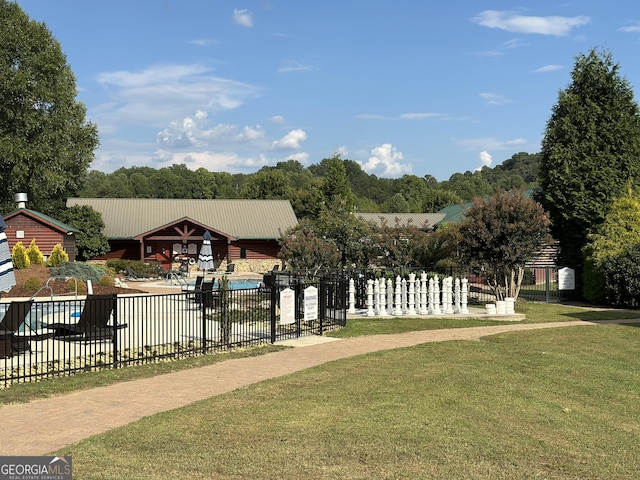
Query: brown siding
256, 249
122, 249
46, 237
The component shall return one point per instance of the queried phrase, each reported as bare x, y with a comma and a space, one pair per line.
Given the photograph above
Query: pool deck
171, 286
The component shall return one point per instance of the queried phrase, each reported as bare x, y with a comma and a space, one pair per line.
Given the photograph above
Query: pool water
235, 284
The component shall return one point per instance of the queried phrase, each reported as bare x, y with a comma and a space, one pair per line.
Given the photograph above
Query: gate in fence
54, 338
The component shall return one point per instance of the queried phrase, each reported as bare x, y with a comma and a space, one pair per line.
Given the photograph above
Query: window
243, 252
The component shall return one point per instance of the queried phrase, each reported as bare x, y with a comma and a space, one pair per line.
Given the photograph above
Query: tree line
306, 187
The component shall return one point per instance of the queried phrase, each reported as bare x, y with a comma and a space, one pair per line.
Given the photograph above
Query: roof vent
20, 199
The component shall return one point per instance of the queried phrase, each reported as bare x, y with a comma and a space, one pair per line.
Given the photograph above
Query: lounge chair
197, 287
93, 323
11, 343
231, 267
195, 290
204, 293
132, 275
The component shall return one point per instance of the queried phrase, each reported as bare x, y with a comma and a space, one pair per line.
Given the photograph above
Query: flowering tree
499, 235
304, 250
399, 245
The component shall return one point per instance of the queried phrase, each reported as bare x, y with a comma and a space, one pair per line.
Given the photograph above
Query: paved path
42, 426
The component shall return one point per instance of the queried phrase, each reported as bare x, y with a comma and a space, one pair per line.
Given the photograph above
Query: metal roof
455, 213
125, 218
404, 219
63, 227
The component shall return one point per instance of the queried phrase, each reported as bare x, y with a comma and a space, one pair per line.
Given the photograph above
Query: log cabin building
23, 225
166, 231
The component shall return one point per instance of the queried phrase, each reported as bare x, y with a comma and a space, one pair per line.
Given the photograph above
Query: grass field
554, 404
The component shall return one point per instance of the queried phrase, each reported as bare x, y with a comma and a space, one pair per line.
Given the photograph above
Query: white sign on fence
566, 279
287, 307
310, 304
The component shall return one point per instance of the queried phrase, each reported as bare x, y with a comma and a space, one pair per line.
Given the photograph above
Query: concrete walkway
42, 426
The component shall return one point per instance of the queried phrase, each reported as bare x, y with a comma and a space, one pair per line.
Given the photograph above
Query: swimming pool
234, 284
241, 283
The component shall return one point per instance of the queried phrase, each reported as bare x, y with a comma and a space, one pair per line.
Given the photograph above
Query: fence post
322, 303
115, 331
203, 318
274, 292
299, 289
547, 284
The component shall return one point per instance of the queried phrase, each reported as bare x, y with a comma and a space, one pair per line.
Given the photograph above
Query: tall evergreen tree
590, 148
336, 184
46, 145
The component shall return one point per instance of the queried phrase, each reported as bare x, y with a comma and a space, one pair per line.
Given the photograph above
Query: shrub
19, 257
71, 286
79, 270
139, 268
34, 253
593, 287
622, 278
106, 281
58, 256
33, 284
117, 264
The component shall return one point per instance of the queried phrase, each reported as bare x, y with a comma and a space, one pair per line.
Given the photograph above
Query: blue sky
402, 87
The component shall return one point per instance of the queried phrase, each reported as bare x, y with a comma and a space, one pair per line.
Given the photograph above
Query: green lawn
555, 404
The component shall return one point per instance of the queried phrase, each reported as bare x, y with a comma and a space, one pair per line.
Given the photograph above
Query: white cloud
418, 116
249, 134
295, 66
161, 94
230, 162
631, 28
386, 160
194, 132
242, 17
515, 43
302, 157
372, 116
512, 22
290, 141
548, 68
402, 116
203, 42
342, 151
490, 143
157, 74
277, 119
490, 53
494, 98
485, 160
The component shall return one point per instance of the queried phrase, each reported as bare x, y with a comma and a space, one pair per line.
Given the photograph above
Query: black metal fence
65, 337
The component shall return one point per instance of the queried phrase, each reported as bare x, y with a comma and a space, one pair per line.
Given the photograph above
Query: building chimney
20, 199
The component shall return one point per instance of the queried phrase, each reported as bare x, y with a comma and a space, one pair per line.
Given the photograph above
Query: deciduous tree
46, 144
304, 249
499, 235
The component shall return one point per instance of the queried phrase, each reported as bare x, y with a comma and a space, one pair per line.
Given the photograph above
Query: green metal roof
404, 219
126, 218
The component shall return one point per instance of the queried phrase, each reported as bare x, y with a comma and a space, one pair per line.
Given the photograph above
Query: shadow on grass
597, 315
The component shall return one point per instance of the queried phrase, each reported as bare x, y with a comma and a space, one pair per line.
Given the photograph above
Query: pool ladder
48, 287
